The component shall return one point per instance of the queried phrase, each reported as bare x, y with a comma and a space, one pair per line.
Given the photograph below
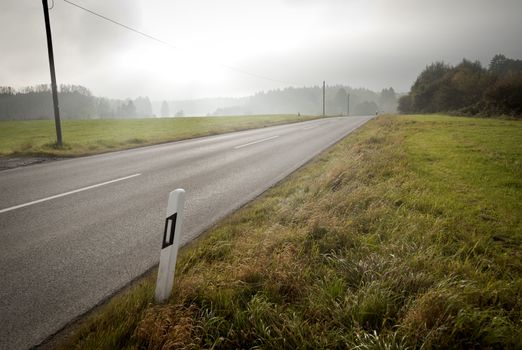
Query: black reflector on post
170, 231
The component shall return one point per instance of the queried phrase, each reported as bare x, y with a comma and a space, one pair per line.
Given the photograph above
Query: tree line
309, 100
76, 102
467, 88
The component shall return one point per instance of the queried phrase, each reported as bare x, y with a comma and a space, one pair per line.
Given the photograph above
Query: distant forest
77, 102
308, 100
468, 89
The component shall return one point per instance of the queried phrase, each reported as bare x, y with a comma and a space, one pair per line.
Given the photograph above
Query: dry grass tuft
167, 327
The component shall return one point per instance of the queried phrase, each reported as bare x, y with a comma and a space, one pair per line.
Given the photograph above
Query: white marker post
170, 245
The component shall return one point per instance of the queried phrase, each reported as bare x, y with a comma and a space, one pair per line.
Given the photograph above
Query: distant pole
53, 75
323, 98
348, 104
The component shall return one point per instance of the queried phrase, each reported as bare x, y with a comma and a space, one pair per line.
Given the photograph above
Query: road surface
73, 232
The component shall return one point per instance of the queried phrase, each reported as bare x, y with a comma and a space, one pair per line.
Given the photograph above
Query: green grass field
407, 234
83, 137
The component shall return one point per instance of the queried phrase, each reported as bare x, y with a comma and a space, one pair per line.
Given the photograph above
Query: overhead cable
148, 36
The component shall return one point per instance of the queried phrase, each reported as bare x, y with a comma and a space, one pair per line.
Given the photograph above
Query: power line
121, 24
148, 36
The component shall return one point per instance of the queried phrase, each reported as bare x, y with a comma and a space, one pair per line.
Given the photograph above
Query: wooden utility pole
323, 98
53, 75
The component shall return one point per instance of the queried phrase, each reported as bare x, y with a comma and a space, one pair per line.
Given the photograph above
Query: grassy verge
407, 234
83, 137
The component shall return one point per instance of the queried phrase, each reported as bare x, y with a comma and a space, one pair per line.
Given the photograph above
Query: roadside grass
84, 137
407, 234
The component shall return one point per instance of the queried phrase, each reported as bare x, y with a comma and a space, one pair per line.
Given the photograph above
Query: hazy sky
362, 43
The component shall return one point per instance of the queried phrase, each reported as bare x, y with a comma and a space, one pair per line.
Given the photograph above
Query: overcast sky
361, 43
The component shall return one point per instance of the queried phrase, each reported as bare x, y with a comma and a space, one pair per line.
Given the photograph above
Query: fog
227, 48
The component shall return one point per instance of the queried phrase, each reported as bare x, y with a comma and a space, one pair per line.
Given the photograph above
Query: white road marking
258, 141
66, 193
311, 127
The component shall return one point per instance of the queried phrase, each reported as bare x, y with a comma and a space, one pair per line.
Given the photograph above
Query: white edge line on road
66, 193
258, 141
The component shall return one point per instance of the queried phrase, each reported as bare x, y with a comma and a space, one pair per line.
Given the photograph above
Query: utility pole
53, 75
323, 98
348, 104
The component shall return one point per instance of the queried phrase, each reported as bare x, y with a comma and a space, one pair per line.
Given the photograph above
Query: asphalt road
73, 232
